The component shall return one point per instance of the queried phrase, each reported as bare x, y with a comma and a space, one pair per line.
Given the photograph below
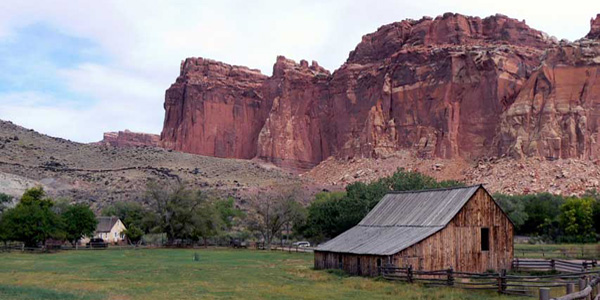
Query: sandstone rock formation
215, 109
595, 28
453, 86
130, 139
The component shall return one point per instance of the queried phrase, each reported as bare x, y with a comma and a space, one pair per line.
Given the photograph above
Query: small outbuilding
463, 228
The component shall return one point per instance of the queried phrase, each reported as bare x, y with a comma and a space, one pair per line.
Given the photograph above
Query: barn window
485, 239
340, 262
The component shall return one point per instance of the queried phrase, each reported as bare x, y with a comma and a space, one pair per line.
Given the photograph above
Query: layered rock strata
453, 86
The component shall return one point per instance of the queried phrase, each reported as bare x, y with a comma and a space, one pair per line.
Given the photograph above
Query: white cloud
144, 42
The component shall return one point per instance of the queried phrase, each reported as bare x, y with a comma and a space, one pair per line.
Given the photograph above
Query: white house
110, 229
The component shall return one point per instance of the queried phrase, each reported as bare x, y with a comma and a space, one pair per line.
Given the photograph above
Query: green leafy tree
577, 219
176, 208
79, 221
134, 235
227, 211
5, 202
32, 221
593, 194
343, 211
515, 208
323, 216
541, 209
207, 222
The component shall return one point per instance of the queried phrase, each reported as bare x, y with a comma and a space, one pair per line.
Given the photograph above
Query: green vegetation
333, 213
35, 220
554, 218
173, 274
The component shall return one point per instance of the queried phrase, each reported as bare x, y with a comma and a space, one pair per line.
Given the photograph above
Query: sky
76, 69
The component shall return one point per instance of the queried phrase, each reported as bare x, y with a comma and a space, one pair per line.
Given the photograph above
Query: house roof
105, 224
400, 220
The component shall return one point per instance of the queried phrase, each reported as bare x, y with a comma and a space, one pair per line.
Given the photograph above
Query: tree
175, 208
541, 209
577, 219
272, 211
340, 212
514, 208
79, 221
134, 235
593, 194
32, 221
5, 202
227, 211
207, 222
323, 216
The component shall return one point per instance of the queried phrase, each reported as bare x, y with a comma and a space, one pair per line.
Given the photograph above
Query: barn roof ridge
435, 189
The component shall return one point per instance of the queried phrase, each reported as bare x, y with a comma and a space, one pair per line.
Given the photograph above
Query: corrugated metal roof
400, 220
105, 224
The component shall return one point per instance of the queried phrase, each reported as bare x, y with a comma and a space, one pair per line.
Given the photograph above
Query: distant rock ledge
130, 139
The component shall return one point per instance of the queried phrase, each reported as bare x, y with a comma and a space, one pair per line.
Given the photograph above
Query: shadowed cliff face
453, 86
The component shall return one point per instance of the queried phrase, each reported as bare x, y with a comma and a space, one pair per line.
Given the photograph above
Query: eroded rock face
453, 86
595, 28
557, 112
215, 109
130, 139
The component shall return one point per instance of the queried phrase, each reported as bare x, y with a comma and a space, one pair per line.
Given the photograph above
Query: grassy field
173, 274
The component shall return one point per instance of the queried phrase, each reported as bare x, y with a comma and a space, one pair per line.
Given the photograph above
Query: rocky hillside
453, 87
101, 174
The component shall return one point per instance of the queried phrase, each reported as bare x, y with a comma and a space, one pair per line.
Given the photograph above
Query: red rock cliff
215, 109
444, 87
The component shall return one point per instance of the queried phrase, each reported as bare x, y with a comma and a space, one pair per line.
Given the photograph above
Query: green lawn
172, 274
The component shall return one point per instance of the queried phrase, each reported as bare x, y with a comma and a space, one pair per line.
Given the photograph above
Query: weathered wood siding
458, 245
367, 267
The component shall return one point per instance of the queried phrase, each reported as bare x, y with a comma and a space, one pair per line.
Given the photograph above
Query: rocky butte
453, 86
130, 139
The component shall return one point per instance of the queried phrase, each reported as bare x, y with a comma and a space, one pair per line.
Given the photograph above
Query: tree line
185, 215
555, 218
551, 218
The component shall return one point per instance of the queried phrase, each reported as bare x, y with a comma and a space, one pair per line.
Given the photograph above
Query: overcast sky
75, 69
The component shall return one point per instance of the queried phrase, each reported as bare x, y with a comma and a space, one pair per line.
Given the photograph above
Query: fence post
450, 281
409, 274
552, 265
570, 288
544, 294
502, 281
582, 284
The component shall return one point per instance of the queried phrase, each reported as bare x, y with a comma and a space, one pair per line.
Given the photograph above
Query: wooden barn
463, 228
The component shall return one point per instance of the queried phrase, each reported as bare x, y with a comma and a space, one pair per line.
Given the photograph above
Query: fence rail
565, 253
524, 285
519, 264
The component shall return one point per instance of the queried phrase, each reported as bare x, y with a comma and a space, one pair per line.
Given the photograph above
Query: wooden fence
501, 282
565, 253
520, 264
